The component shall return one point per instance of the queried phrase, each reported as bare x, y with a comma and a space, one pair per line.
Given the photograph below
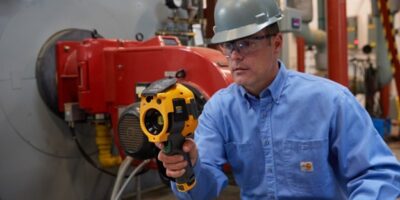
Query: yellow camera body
156, 113
168, 114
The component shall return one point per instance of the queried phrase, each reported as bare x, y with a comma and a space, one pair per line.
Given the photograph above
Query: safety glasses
243, 46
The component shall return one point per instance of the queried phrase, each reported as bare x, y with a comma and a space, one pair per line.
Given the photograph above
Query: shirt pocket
306, 165
246, 163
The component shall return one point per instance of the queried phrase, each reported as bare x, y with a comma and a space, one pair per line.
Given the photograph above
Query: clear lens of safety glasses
243, 46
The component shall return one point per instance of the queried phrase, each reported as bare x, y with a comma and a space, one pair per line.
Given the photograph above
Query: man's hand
175, 164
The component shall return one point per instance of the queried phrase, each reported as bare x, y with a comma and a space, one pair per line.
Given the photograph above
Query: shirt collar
275, 89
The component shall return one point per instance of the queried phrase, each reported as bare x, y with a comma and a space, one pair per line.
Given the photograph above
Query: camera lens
154, 121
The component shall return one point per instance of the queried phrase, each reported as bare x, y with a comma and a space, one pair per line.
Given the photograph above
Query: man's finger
159, 145
188, 145
175, 174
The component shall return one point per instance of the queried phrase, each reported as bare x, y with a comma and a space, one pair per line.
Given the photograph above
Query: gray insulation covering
305, 7
39, 158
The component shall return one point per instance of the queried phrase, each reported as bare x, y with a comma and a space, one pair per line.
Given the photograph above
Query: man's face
253, 60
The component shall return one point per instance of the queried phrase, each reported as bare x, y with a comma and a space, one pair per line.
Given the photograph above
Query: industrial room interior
72, 131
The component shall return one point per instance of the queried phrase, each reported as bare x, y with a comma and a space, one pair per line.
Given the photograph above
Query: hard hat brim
241, 32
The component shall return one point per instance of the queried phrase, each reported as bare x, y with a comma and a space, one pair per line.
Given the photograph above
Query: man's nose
235, 54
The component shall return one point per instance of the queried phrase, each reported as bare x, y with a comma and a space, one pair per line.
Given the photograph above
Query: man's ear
277, 43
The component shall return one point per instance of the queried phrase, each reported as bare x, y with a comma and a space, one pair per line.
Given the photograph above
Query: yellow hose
104, 144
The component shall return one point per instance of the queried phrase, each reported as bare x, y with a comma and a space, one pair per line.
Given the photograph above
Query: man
286, 135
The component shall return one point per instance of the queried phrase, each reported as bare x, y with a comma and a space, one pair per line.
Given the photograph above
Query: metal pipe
385, 100
388, 27
337, 41
300, 54
312, 36
304, 7
321, 15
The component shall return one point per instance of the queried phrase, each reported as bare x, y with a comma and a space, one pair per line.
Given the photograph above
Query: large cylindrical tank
39, 159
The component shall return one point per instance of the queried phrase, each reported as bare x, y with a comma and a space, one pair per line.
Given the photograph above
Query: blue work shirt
305, 137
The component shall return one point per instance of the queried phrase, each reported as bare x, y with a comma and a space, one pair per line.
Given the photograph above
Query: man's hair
272, 29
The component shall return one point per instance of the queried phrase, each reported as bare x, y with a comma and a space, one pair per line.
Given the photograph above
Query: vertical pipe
337, 41
388, 27
385, 100
138, 188
321, 15
300, 54
209, 17
209, 20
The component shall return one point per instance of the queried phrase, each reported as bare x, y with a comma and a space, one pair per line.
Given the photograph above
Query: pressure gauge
174, 4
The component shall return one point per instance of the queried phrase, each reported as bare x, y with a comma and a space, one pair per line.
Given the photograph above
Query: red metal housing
102, 74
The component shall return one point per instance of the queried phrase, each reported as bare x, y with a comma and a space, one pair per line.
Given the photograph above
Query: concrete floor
164, 193
231, 192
